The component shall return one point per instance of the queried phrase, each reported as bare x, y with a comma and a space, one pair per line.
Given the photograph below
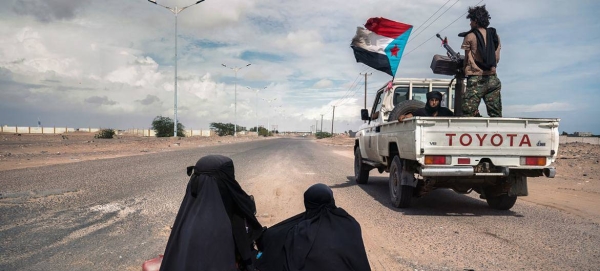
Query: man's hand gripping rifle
452, 64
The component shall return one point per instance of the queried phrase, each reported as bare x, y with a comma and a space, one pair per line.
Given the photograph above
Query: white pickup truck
491, 156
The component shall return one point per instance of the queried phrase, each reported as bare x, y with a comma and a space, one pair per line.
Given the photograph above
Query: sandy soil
31, 150
575, 189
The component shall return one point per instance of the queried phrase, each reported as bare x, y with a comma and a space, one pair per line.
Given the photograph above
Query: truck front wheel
361, 170
501, 202
401, 195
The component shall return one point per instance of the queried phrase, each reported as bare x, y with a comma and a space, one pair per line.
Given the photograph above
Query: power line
415, 36
439, 31
430, 17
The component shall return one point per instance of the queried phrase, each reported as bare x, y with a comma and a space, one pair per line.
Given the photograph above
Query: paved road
113, 214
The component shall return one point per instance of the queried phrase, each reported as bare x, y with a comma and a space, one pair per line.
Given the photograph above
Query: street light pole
268, 123
176, 12
235, 69
256, 107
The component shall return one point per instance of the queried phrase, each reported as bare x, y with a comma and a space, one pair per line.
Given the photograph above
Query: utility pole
366, 74
316, 124
235, 69
332, 118
176, 12
321, 122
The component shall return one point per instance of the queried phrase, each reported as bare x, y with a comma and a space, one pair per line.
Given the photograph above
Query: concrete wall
572, 139
38, 130
63, 130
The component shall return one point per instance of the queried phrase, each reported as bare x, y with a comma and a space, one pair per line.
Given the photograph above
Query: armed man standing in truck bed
482, 54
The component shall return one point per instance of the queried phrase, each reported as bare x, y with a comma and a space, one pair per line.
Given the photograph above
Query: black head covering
210, 228
431, 95
324, 237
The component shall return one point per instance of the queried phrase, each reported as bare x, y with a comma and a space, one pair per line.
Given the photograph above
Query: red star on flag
395, 50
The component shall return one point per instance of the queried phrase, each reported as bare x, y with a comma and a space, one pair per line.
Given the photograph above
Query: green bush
225, 129
163, 127
320, 135
105, 133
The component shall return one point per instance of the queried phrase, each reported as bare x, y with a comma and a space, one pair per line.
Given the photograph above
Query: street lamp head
248, 64
199, 2
221, 64
152, 1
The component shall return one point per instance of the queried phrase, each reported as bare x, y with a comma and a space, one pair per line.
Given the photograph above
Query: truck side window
377, 105
444, 92
400, 95
420, 93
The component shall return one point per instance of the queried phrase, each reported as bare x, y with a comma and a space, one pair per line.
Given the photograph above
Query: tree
163, 126
320, 135
262, 131
224, 129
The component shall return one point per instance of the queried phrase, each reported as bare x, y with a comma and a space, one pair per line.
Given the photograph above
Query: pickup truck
491, 156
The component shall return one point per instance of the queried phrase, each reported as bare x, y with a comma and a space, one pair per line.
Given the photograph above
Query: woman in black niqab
216, 222
324, 237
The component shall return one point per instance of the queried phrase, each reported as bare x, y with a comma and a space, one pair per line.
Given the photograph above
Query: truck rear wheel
401, 195
501, 202
404, 108
361, 170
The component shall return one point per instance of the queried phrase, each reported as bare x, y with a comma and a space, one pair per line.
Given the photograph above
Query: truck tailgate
502, 140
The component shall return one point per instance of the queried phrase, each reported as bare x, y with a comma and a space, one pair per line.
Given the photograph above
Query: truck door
372, 133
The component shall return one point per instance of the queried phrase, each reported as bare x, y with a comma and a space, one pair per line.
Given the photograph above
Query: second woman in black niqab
215, 226
324, 237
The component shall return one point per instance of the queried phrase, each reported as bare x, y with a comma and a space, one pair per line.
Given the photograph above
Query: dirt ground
575, 189
31, 150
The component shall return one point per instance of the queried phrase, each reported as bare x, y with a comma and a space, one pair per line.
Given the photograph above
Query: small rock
44, 151
584, 174
9, 154
58, 153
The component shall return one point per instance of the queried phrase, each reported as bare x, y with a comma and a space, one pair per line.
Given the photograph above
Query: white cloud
323, 83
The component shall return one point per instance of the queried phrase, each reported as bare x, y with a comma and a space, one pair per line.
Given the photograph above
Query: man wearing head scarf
216, 225
324, 237
433, 108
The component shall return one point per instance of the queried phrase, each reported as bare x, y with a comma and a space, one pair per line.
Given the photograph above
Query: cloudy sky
111, 63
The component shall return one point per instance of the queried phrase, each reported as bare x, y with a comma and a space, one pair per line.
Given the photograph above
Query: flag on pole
381, 43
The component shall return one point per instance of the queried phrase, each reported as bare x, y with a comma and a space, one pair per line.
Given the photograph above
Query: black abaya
324, 237
210, 227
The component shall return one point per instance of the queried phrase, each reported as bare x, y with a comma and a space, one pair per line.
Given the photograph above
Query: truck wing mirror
364, 114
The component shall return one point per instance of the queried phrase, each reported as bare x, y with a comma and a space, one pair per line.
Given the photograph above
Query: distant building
583, 134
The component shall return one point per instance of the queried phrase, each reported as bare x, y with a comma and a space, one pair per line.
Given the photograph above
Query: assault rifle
451, 64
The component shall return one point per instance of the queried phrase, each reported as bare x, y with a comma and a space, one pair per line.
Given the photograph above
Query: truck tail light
464, 161
437, 160
533, 160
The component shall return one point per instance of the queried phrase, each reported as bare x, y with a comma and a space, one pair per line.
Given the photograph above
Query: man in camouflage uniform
482, 54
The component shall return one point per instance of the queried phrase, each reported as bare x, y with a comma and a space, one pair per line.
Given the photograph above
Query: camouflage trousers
486, 87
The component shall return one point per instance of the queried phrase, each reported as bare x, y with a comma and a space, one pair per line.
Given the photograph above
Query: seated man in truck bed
432, 108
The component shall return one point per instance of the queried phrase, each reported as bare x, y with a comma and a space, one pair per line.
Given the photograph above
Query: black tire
401, 195
405, 107
361, 170
502, 202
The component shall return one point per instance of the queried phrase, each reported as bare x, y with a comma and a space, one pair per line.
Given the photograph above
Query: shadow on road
440, 202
